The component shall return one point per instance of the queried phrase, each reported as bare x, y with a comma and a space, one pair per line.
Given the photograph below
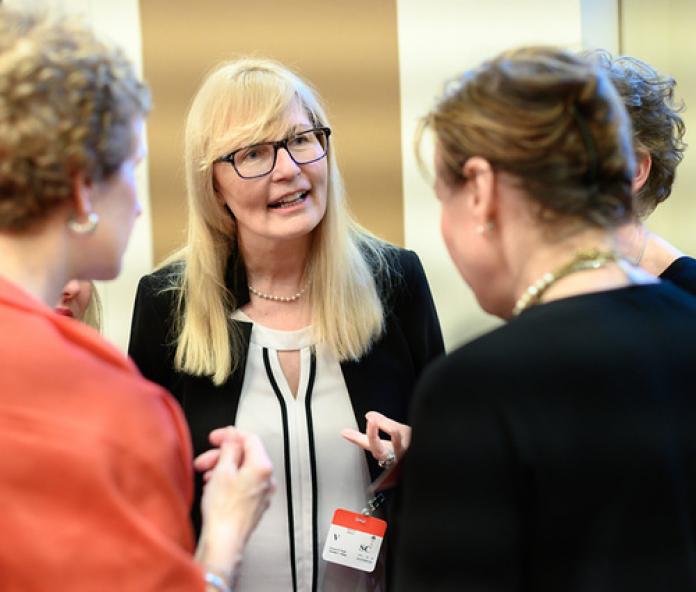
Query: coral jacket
95, 463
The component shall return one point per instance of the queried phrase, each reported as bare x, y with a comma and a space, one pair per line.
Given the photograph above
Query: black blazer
682, 273
558, 452
382, 380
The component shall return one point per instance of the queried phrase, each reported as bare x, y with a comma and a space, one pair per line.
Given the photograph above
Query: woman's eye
249, 155
253, 153
299, 140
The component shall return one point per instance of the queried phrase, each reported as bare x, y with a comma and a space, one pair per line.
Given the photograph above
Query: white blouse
316, 471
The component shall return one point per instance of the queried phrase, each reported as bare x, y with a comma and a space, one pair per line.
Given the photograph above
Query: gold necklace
583, 260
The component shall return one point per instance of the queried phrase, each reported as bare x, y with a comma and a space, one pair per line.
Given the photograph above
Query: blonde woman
80, 300
96, 461
571, 427
281, 315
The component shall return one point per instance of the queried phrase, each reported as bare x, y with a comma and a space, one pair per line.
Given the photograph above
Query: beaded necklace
583, 260
265, 296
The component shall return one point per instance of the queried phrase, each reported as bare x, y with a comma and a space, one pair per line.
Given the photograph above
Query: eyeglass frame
229, 158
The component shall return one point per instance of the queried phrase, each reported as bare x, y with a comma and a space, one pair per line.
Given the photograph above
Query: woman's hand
386, 452
239, 486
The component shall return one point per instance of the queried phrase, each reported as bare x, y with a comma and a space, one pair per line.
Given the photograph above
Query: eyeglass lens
258, 160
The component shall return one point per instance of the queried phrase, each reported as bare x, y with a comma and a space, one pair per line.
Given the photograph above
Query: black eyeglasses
258, 160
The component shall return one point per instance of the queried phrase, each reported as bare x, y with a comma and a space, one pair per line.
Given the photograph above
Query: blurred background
379, 65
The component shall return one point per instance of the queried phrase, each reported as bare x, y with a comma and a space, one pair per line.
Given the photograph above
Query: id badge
354, 540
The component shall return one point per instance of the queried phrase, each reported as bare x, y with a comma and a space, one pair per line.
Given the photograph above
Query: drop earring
484, 228
86, 227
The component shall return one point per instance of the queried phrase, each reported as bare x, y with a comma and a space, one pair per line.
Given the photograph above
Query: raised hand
384, 451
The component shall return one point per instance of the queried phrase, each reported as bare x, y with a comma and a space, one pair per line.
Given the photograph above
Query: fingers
388, 426
207, 460
356, 437
378, 447
399, 433
229, 457
227, 433
255, 455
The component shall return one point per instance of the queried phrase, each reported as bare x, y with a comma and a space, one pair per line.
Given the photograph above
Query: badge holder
354, 539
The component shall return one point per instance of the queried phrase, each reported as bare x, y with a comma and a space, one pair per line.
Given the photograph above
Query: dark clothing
382, 380
682, 273
558, 452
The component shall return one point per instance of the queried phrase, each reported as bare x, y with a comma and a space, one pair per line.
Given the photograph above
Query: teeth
289, 199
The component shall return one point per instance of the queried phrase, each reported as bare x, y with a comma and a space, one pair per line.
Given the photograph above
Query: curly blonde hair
67, 104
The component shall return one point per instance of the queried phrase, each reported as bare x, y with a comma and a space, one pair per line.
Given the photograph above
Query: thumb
255, 453
230, 455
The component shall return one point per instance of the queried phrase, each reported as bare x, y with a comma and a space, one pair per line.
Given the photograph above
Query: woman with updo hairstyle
282, 315
96, 461
558, 451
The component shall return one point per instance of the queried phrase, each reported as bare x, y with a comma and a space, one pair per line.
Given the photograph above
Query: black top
382, 380
558, 452
682, 273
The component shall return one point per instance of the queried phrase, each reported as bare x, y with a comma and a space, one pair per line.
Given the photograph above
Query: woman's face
75, 299
287, 204
116, 202
456, 221
470, 243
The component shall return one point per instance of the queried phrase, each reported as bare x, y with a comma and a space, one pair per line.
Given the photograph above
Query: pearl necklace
583, 260
277, 298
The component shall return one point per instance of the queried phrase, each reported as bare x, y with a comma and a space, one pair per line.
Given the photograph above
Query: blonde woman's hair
67, 105
93, 312
552, 120
239, 103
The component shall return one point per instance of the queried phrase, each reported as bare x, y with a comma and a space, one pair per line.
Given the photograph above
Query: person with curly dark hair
658, 138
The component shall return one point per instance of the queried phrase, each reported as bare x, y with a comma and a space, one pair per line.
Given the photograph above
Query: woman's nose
71, 290
285, 166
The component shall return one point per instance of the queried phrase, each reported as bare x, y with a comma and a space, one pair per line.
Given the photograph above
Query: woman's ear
81, 195
481, 177
84, 220
643, 167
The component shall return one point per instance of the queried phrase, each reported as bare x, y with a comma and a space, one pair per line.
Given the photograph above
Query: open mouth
289, 200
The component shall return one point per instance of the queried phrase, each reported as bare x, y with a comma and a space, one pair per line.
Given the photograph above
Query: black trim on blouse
288, 478
313, 467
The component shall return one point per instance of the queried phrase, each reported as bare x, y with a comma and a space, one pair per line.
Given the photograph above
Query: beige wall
662, 33
348, 50
379, 65
438, 40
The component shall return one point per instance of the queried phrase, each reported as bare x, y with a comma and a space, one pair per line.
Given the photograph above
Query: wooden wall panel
347, 50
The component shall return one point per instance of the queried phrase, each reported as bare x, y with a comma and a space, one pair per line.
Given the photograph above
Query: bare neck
276, 266
646, 249
542, 256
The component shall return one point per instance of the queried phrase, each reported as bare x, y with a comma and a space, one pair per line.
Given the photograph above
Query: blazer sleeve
682, 273
459, 520
415, 308
151, 339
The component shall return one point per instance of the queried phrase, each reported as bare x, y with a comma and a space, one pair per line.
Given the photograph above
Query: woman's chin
498, 307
